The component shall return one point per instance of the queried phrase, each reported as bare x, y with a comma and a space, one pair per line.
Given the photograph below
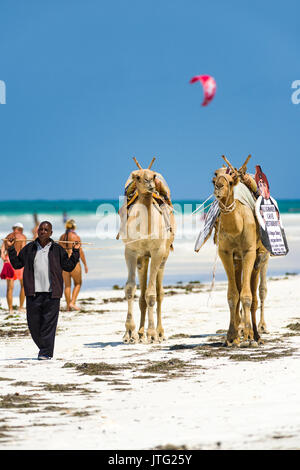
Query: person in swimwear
71, 236
17, 273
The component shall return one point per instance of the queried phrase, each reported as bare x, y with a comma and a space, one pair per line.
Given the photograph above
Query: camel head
144, 180
220, 171
227, 177
224, 180
224, 184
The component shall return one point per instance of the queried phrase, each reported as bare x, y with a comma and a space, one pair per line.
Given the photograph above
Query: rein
227, 209
223, 207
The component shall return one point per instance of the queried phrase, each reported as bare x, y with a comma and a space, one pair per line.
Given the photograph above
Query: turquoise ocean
81, 207
98, 222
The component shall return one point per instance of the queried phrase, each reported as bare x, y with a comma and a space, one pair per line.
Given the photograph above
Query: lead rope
212, 286
216, 255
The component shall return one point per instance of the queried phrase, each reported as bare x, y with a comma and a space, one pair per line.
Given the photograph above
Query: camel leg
246, 295
131, 335
160, 295
239, 319
262, 327
156, 259
254, 285
232, 297
142, 272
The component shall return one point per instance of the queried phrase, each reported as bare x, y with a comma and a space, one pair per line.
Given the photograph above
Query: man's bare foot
74, 307
22, 309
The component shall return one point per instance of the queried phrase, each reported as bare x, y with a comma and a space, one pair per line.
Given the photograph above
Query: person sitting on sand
71, 236
9, 273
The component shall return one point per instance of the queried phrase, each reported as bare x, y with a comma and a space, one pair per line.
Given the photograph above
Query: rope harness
223, 207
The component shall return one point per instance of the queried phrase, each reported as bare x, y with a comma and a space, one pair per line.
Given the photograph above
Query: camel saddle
161, 199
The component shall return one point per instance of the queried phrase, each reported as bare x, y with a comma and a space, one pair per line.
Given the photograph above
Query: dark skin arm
68, 263
17, 260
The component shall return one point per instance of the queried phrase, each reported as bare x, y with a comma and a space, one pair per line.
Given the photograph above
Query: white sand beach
188, 392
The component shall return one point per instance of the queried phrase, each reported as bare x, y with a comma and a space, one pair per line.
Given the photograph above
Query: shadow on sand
104, 345
19, 359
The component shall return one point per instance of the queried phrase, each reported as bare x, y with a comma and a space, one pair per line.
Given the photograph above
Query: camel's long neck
228, 212
146, 200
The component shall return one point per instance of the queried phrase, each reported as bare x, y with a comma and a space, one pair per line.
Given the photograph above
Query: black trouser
42, 316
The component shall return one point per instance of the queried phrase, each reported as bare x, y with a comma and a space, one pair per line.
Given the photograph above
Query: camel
243, 256
262, 327
147, 230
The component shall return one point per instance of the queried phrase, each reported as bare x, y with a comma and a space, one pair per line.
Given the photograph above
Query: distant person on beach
65, 217
36, 226
71, 236
9, 273
43, 261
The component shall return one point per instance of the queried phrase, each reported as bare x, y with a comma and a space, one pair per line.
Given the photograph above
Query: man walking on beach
43, 261
11, 275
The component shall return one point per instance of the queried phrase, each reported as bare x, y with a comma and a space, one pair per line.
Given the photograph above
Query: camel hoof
229, 344
245, 344
235, 342
161, 338
133, 340
130, 338
142, 339
152, 339
253, 344
263, 329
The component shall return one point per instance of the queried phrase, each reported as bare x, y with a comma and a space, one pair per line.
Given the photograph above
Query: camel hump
243, 194
161, 186
158, 175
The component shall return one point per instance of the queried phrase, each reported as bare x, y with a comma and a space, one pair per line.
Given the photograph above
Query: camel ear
135, 175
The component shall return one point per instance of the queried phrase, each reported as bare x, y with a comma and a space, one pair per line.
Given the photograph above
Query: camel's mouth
218, 193
150, 189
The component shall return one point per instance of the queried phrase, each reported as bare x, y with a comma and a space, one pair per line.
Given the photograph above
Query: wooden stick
95, 248
137, 163
56, 241
153, 160
70, 241
229, 164
244, 166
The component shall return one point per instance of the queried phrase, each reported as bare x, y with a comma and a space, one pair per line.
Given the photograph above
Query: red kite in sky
209, 87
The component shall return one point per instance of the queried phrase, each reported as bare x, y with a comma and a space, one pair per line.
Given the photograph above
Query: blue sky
91, 83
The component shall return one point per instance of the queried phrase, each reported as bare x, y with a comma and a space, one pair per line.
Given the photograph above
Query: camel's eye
154, 176
138, 178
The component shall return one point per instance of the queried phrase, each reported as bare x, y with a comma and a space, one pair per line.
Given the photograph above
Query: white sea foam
108, 266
